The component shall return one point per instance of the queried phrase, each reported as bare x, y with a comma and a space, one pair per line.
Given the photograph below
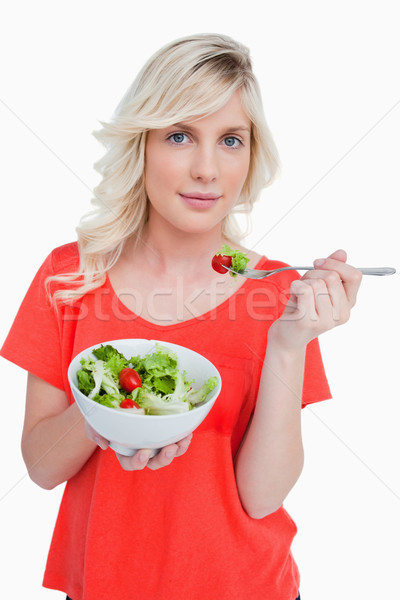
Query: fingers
315, 306
96, 437
136, 462
163, 458
350, 277
319, 301
143, 458
305, 302
184, 444
167, 454
330, 297
340, 255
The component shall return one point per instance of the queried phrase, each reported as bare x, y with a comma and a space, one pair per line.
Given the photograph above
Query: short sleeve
33, 341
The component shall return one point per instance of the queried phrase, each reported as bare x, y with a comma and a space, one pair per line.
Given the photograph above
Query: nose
204, 164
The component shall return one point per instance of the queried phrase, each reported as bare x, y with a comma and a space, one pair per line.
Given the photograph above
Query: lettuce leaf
165, 389
239, 259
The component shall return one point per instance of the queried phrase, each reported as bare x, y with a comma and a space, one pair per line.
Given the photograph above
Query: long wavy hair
185, 80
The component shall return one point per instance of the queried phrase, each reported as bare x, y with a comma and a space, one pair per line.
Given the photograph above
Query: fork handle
377, 270
364, 270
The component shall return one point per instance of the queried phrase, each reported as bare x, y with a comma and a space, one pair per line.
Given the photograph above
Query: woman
187, 147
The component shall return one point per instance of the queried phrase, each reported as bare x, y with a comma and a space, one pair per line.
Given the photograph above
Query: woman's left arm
270, 458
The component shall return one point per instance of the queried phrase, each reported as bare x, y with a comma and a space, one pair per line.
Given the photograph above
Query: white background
329, 72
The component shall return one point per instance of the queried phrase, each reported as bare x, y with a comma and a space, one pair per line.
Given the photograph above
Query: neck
172, 251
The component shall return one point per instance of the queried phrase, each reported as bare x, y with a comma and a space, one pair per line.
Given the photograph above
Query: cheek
161, 169
157, 174
239, 174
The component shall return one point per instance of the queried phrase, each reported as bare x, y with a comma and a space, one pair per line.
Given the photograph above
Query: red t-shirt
178, 532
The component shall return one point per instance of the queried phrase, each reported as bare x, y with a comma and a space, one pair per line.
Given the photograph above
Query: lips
199, 200
200, 196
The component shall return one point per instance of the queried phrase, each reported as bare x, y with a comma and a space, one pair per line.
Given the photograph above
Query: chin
199, 226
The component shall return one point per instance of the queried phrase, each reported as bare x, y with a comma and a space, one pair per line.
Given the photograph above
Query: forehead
231, 116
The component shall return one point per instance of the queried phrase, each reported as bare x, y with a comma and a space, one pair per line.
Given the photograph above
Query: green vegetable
239, 259
197, 396
110, 400
164, 390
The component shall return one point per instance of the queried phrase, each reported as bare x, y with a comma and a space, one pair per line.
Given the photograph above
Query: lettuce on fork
239, 259
164, 390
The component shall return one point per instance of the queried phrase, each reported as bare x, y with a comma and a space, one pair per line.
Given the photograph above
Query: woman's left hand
320, 300
142, 458
163, 458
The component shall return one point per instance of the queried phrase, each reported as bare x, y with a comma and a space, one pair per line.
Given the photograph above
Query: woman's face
194, 171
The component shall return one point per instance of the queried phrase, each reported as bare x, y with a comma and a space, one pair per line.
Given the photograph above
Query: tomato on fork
220, 261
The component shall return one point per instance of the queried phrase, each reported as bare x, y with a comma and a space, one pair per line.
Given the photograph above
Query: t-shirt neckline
187, 322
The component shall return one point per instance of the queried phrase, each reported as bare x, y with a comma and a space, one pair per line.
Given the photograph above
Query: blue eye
177, 138
232, 142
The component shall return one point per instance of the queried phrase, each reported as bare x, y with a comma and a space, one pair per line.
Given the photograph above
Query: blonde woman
187, 147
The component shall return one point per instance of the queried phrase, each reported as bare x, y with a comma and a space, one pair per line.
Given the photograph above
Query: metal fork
260, 274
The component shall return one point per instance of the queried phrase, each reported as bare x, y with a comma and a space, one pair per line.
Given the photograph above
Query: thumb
339, 255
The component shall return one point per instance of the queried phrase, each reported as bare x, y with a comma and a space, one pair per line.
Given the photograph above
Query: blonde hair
185, 80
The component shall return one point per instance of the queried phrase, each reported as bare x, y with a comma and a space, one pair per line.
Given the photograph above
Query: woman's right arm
54, 444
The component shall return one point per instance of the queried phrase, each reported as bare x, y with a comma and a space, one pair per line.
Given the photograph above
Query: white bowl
128, 432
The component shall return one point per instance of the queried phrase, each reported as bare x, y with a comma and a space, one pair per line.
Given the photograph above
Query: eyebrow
230, 129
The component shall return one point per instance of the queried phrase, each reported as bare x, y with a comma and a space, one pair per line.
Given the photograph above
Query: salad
151, 384
226, 257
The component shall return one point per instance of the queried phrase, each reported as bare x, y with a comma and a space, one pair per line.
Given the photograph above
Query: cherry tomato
219, 260
129, 403
129, 379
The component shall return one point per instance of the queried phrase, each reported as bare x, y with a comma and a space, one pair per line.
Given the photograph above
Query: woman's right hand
142, 459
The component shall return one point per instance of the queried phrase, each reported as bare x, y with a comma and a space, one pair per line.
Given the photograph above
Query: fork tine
249, 273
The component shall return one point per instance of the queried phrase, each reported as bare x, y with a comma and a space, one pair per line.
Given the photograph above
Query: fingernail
319, 262
170, 453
